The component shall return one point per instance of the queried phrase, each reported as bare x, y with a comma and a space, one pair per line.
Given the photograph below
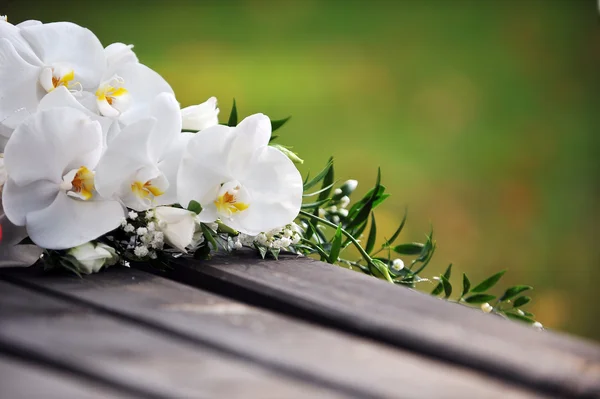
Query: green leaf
194, 206
479, 298
521, 301
261, 250
223, 228
202, 252
397, 232
336, 245
448, 272
315, 204
466, 285
372, 235
514, 291
276, 124
274, 252
208, 234
327, 181
319, 191
447, 286
380, 269
438, 289
413, 248
364, 212
488, 282
320, 176
233, 116
516, 316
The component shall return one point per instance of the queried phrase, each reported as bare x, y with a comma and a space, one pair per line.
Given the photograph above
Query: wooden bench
242, 327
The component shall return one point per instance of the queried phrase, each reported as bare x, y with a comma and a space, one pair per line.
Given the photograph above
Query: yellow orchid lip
145, 190
82, 184
51, 78
228, 204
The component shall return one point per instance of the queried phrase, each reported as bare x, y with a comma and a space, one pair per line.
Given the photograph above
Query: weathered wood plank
26, 380
353, 366
135, 360
351, 301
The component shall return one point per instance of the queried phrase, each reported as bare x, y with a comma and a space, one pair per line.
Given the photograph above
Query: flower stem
364, 254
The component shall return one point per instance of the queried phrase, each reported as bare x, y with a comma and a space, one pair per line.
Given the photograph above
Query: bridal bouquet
101, 166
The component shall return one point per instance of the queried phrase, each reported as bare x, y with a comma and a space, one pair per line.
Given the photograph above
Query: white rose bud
201, 116
91, 257
178, 226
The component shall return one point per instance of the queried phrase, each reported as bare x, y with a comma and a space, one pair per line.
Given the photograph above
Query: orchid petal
143, 84
165, 109
61, 97
252, 134
20, 92
51, 143
126, 154
204, 156
69, 222
18, 201
13, 34
276, 188
169, 166
11, 254
117, 55
68, 44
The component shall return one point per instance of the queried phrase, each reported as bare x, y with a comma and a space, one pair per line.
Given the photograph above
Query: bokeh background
483, 115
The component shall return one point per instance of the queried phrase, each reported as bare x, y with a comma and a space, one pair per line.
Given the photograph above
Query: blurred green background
483, 115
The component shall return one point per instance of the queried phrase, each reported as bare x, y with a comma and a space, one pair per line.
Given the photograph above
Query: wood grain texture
350, 301
26, 380
140, 362
302, 351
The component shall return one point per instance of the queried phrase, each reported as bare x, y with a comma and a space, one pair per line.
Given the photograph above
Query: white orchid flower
91, 257
201, 116
178, 225
38, 58
140, 165
50, 160
238, 178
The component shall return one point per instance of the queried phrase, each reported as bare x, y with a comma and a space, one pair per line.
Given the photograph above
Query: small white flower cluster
280, 238
146, 238
339, 210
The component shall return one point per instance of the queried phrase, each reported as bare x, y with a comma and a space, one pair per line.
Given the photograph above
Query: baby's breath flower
344, 201
285, 242
129, 228
132, 215
151, 226
486, 307
141, 231
397, 264
237, 244
153, 255
123, 222
140, 251
149, 215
